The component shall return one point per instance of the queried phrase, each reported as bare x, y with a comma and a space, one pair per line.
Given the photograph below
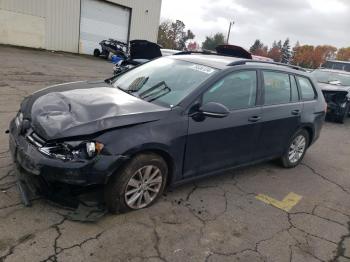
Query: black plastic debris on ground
85, 207
80, 205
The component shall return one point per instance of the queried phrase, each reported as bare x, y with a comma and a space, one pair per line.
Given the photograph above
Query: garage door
102, 20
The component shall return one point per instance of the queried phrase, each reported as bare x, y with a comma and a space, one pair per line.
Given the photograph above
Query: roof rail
243, 62
204, 52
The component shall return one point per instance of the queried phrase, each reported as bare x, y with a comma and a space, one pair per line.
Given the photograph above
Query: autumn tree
275, 52
313, 57
172, 35
213, 41
344, 54
323, 53
303, 56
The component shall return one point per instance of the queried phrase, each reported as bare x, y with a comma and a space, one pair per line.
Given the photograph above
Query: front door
218, 143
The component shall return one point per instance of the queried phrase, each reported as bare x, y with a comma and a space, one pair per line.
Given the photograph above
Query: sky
314, 22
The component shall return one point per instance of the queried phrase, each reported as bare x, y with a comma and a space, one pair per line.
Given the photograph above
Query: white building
77, 25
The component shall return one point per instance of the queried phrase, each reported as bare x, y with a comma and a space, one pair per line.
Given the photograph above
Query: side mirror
213, 109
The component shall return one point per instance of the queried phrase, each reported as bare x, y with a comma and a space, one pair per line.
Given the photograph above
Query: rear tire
296, 149
138, 185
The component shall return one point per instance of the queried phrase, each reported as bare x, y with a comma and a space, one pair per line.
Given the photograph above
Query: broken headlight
93, 148
72, 150
19, 119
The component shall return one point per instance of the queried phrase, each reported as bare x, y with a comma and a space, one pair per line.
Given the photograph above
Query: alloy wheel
297, 149
143, 187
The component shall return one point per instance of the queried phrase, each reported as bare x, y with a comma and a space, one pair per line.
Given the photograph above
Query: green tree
184, 38
279, 44
172, 35
213, 41
164, 38
286, 52
256, 46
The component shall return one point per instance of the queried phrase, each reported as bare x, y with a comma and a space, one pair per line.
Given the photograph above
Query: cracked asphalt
215, 219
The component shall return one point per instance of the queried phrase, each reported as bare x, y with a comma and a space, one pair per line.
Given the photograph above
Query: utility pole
229, 31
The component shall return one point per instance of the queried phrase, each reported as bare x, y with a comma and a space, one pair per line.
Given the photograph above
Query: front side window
165, 81
235, 91
306, 88
277, 88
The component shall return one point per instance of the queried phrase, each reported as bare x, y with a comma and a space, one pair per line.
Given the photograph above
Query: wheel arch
155, 149
310, 131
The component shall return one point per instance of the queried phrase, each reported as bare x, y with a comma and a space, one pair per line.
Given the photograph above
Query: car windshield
328, 77
164, 81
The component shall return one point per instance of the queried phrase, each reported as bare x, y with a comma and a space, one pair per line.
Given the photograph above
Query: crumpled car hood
77, 112
329, 87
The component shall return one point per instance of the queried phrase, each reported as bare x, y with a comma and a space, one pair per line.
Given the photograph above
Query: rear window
306, 88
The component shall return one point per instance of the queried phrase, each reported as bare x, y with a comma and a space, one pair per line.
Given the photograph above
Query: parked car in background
111, 47
167, 52
166, 122
337, 65
141, 51
335, 86
262, 58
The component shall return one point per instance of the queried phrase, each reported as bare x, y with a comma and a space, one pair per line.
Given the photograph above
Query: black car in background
166, 122
335, 86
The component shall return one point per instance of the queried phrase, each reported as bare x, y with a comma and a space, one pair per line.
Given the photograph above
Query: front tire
296, 149
139, 184
97, 52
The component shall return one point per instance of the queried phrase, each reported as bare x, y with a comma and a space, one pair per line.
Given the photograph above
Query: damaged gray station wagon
163, 123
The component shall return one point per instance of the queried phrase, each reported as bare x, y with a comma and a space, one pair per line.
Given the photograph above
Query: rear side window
236, 90
306, 88
277, 88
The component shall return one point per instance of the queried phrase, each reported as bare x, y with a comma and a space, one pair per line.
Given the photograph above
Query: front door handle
254, 118
296, 112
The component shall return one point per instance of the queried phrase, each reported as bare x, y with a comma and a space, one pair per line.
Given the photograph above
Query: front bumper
336, 102
335, 109
41, 171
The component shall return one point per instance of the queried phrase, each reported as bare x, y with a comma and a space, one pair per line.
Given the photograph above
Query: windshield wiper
155, 92
137, 84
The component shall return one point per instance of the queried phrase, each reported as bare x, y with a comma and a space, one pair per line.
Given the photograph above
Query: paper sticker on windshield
203, 69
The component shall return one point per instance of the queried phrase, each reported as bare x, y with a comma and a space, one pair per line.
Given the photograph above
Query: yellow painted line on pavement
286, 204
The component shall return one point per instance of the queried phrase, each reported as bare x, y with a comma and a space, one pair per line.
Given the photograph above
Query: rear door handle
296, 112
254, 118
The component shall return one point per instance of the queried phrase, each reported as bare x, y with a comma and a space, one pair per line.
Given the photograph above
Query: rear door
281, 113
